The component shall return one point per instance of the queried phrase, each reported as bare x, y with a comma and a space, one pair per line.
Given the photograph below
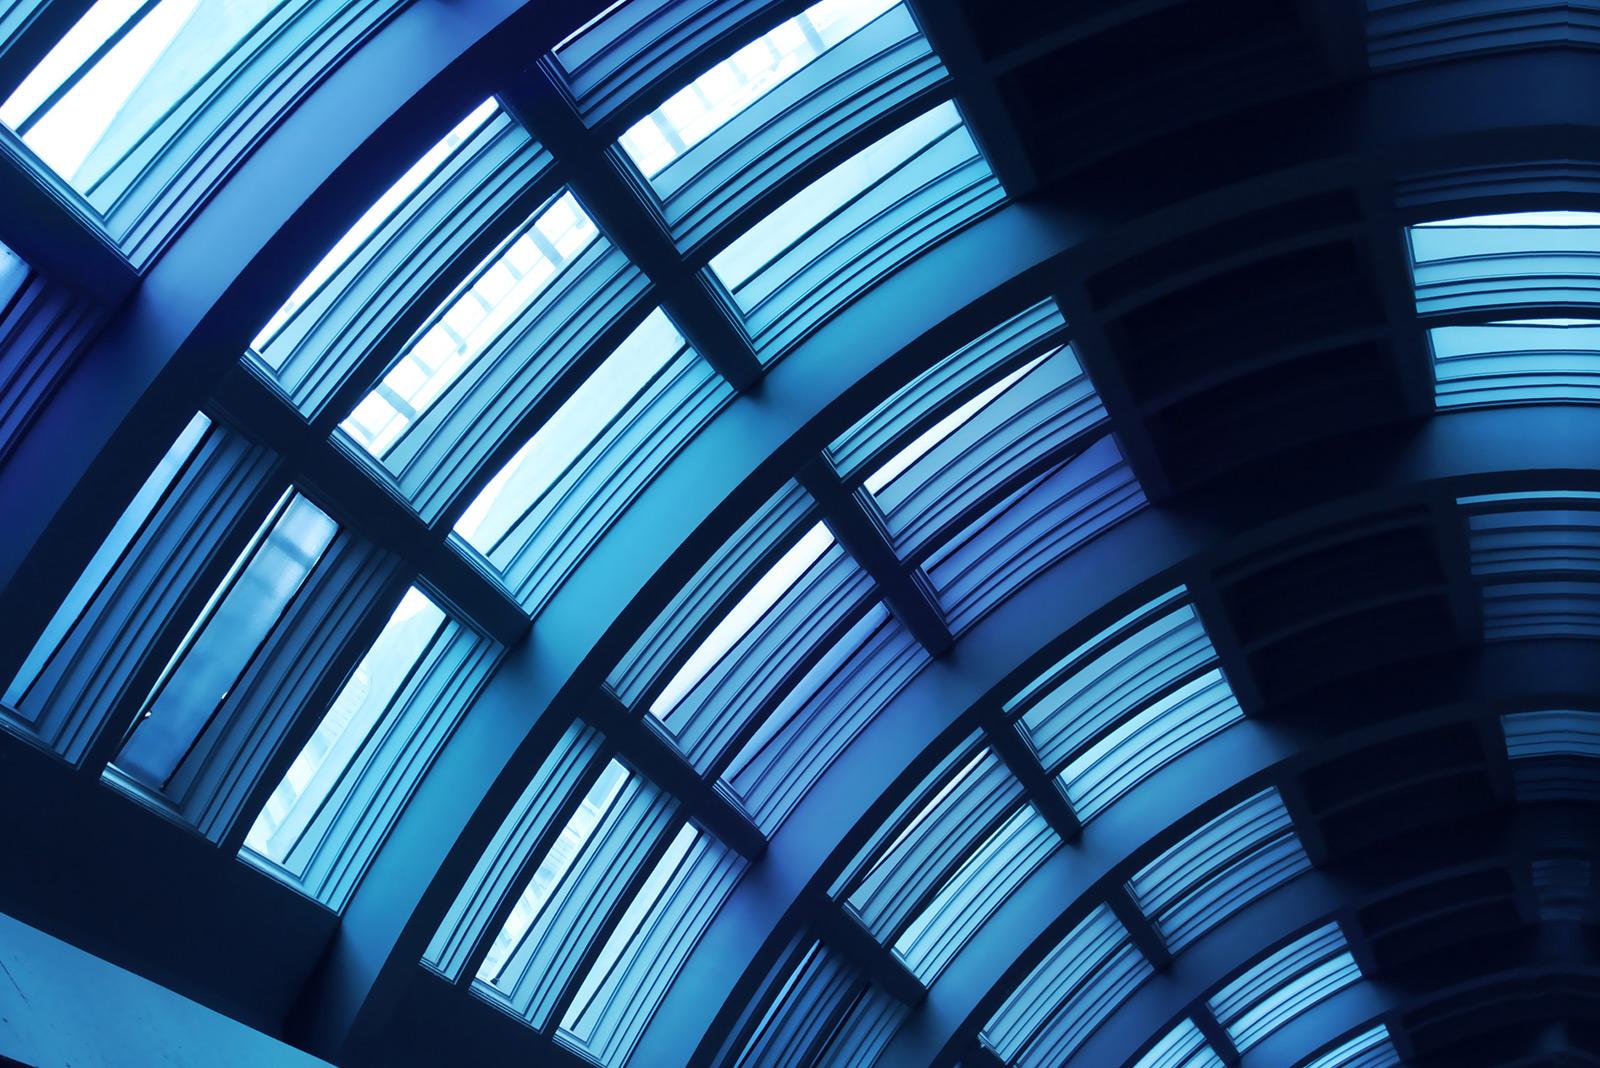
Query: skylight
756, 602
1565, 733
552, 869
117, 73
499, 508
1526, 361
1078, 985
699, 108
1369, 1049
897, 464
737, 264
218, 648
1284, 984
848, 229
1487, 263
499, 289
1220, 868
974, 891
1536, 559
365, 696
384, 208
1182, 1047
1147, 741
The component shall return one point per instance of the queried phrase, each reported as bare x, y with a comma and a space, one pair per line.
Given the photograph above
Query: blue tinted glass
221, 643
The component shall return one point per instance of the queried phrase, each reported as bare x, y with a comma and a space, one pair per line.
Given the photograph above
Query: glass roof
117, 73
722, 92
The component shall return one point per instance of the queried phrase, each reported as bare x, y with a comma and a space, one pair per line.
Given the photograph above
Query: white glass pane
813, 205
86, 105
374, 217
701, 107
744, 615
220, 645
554, 866
363, 700
559, 443
500, 289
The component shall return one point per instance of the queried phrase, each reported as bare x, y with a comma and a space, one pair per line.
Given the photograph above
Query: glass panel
117, 73
220, 645
744, 615
500, 288
382, 209
349, 721
813, 205
928, 439
559, 443
699, 108
111, 550
552, 868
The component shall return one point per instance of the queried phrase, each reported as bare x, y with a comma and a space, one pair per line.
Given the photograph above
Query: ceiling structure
812, 573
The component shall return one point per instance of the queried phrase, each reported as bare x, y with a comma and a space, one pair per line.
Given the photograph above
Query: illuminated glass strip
571, 893
803, 601
1523, 362
1091, 972
948, 815
1370, 1049
974, 891
776, 107
1039, 523
838, 696
554, 499
1532, 562
1148, 741
639, 961
1534, 735
703, 106
1529, 260
696, 602
408, 243
145, 107
529, 822
1036, 411
944, 387
336, 803
80, 670
1182, 1047
1215, 871
45, 327
1138, 660
1284, 984
820, 1012
847, 230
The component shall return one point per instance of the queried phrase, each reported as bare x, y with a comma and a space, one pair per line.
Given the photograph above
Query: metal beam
877, 962
864, 538
621, 213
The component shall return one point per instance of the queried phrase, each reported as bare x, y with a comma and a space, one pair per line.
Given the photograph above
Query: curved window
137, 103
334, 806
1527, 361
406, 245
776, 106
85, 669
1219, 869
1284, 984
1370, 1049
560, 492
1536, 559
1554, 755
1182, 1047
820, 1011
521, 321
1093, 970
851, 227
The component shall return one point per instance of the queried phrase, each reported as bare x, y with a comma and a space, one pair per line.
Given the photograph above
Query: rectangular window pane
219, 646
365, 697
